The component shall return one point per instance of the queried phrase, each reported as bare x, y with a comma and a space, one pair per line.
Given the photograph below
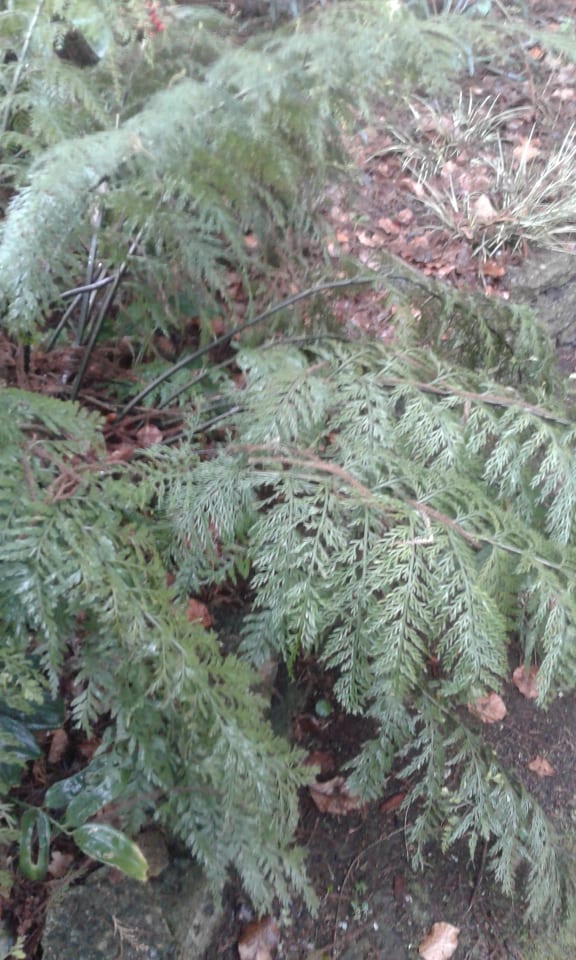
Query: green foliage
397, 514
391, 513
186, 138
83, 593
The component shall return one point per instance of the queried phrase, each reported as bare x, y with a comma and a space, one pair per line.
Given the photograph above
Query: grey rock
546, 281
171, 918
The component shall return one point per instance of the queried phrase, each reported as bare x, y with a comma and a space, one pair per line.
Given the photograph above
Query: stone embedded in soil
174, 916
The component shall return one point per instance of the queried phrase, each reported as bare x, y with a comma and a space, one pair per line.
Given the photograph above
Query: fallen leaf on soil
419, 249
121, 453
58, 746
525, 151
259, 940
148, 435
526, 683
388, 226
87, 748
541, 767
491, 268
369, 238
413, 185
59, 863
392, 803
536, 52
332, 797
197, 612
440, 943
404, 216
563, 94
324, 761
489, 709
483, 211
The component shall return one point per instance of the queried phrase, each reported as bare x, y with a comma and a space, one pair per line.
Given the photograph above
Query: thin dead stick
427, 512
95, 285
239, 328
97, 325
323, 466
494, 400
479, 877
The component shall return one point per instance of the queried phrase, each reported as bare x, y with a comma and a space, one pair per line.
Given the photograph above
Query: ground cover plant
399, 518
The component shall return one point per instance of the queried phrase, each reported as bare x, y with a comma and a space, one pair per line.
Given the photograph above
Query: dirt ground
373, 905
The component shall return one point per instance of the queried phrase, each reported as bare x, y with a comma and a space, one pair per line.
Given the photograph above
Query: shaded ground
373, 905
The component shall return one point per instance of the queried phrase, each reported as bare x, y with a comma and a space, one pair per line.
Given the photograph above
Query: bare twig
102, 313
227, 337
94, 285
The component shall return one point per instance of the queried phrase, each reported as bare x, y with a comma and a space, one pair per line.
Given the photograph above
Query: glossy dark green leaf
9, 775
93, 798
48, 715
34, 850
104, 843
16, 740
86, 792
62, 793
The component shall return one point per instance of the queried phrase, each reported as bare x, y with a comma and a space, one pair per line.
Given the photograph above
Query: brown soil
372, 904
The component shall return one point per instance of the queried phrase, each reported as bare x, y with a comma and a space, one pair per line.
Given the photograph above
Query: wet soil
374, 906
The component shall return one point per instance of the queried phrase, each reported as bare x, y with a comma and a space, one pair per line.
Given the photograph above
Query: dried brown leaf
368, 238
419, 249
541, 767
324, 761
489, 709
148, 435
483, 211
399, 890
59, 863
87, 748
440, 943
121, 453
526, 150
392, 803
332, 797
259, 940
197, 612
389, 226
404, 216
526, 683
58, 745
491, 268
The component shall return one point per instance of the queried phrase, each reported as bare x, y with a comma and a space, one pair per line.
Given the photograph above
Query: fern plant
388, 510
83, 597
395, 514
186, 140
